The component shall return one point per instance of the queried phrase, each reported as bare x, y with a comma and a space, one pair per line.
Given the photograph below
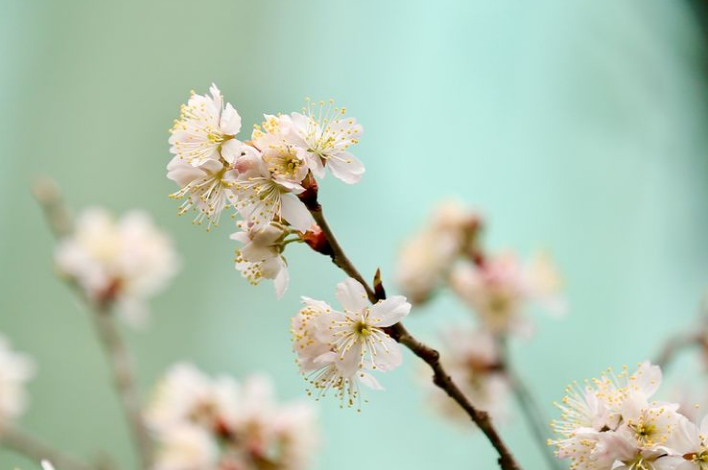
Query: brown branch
37, 450
398, 332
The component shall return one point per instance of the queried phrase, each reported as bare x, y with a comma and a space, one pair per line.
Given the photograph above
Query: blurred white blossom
500, 289
16, 370
203, 422
429, 255
122, 262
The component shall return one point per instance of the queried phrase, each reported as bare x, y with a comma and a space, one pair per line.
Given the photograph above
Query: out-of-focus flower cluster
339, 349
121, 263
497, 288
615, 423
16, 370
260, 178
202, 422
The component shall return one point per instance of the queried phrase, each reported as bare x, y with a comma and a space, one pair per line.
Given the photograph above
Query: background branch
37, 450
47, 194
123, 379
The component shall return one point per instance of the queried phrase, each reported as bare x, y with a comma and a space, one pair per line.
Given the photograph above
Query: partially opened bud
316, 239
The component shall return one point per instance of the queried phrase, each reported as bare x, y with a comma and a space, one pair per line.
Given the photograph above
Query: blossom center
286, 164
363, 329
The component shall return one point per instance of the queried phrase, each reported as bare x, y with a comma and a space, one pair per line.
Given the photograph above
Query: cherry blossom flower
118, 262
339, 349
16, 370
186, 447
611, 423
323, 134
206, 130
206, 188
263, 196
261, 255
202, 422
188, 396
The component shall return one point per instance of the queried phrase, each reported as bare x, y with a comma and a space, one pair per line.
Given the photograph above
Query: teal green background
576, 126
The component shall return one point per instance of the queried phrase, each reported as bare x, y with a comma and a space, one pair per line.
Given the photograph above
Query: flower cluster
613, 423
497, 288
260, 178
15, 370
340, 349
216, 423
117, 262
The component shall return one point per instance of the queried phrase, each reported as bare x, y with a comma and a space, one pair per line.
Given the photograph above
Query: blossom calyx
316, 239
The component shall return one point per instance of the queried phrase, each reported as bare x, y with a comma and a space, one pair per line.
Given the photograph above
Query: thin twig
432, 357
37, 450
60, 223
534, 416
123, 379
698, 336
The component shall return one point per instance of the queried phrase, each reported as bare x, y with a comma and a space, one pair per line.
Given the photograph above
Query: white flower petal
295, 212
346, 167
390, 311
352, 296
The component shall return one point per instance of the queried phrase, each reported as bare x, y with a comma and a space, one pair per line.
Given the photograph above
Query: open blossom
267, 187
338, 350
612, 423
261, 256
323, 135
15, 370
326, 135
427, 258
500, 289
206, 153
121, 262
206, 189
202, 422
206, 130
472, 359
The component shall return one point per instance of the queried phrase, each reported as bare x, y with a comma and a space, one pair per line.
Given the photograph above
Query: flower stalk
36, 449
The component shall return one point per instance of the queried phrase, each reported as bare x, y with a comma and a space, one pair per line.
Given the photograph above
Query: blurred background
574, 126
